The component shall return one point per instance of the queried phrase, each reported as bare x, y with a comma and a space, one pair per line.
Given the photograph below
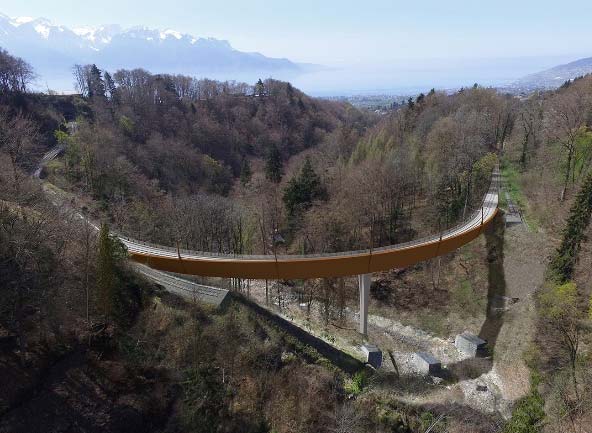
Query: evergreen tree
168, 85
246, 173
111, 252
565, 258
206, 407
111, 88
290, 93
301, 105
105, 272
274, 167
259, 88
96, 86
303, 189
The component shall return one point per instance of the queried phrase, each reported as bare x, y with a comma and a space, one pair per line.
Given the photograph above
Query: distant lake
417, 76
404, 78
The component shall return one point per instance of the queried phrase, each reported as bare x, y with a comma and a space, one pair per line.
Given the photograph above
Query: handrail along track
318, 265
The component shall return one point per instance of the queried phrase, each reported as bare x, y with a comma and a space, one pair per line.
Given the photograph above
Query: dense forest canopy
167, 156
226, 122
231, 167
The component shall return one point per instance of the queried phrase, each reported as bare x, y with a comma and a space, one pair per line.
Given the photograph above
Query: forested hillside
229, 167
265, 169
88, 345
548, 167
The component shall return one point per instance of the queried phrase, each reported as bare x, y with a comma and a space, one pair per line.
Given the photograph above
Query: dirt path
526, 254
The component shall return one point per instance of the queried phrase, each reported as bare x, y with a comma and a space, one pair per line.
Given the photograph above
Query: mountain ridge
49, 46
554, 77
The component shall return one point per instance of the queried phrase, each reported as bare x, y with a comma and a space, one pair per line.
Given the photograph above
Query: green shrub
134, 352
204, 399
431, 422
357, 383
511, 177
529, 413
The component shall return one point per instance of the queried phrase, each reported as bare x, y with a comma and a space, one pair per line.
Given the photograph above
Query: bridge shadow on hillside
496, 294
496, 302
338, 358
494, 319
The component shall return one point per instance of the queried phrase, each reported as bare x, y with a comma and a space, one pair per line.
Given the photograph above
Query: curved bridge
361, 263
318, 265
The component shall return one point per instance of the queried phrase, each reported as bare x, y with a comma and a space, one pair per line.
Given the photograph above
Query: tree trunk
266, 292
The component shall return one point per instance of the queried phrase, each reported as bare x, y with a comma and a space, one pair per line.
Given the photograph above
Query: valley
263, 173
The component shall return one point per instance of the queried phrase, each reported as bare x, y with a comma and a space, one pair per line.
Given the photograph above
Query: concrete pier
426, 364
373, 355
364, 282
470, 344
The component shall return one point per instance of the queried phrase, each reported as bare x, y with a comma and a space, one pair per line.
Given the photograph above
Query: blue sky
347, 32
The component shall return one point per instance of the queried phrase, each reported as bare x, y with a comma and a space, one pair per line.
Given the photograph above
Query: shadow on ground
496, 300
496, 294
338, 358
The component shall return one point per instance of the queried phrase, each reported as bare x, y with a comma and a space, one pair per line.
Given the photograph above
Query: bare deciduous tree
17, 141
564, 118
15, 73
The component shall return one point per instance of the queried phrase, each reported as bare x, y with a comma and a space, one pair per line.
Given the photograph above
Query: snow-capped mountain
98, 37
53, 49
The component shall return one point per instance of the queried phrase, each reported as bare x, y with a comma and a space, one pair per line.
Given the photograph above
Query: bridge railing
489, 203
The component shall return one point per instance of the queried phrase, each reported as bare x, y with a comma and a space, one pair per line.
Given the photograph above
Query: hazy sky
338, 32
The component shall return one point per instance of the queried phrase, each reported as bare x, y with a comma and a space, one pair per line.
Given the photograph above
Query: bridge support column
364, 283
